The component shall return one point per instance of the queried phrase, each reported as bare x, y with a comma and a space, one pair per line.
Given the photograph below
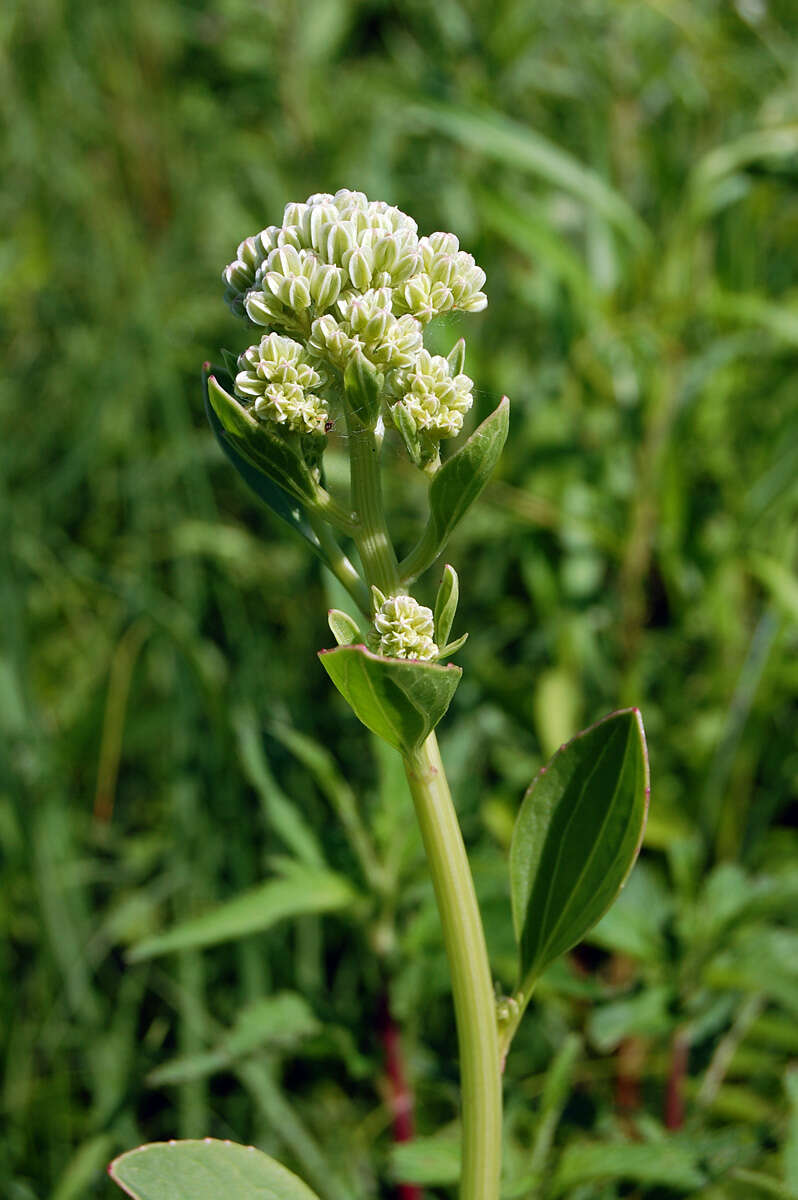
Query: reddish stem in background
400, 1097
630, 1060
674, 1095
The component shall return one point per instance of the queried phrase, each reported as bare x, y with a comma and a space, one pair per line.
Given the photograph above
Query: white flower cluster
277, 377
433, 399
402, 628
348, 277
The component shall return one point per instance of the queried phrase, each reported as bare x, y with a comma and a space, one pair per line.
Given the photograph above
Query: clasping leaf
401, 700
262, 447
576, 838
362, 391
205, 1170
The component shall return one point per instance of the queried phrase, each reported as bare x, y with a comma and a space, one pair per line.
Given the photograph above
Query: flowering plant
344, 289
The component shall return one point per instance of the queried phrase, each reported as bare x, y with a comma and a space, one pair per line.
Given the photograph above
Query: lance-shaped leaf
305, 890
446, 604
409, 434
281, 504
344, 628
456, 486
263, 447
576, 838
400, 700
205, 1170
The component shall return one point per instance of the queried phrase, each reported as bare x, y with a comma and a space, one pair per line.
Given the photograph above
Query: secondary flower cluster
277, 375
402, 628
342, 277
433, 399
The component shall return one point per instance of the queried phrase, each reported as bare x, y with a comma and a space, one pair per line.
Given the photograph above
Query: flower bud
289, 235
329, 340
340, 239
241, 275
437, 245
286, 260
440, 298
415, 298
297, 294
325, 285
263, 309
321, 218
359, 263
443, 269
294, 214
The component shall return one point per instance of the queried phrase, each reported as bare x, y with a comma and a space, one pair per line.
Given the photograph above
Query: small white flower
402, 628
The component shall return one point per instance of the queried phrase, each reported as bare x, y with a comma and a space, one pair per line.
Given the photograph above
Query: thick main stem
472, 988
463, 936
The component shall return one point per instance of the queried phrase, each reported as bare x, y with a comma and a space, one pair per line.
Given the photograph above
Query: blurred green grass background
626, 175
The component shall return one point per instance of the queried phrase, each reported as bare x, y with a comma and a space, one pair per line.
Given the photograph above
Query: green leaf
401, 701
456, 357
407, 428
284, 817
790, 1148
556, 1090
764, 1185
456, 486
273, 496
576, 838
452, 647
665, 1164
523, 149
278, 1021
83, 1169
264, 448
730, 158
362, 391
305, 891
205, 1170
429, 1161
344, 628
446, 604
648, 1014
463, 476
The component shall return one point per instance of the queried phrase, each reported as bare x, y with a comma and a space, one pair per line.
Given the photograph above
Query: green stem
330, 510
341, 567
371, 535
423, 555
472, 987
463, 936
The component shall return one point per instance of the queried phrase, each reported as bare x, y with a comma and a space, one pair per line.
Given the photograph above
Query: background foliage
625, 172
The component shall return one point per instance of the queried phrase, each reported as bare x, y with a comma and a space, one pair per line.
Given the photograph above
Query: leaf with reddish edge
401, 700
576, 838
